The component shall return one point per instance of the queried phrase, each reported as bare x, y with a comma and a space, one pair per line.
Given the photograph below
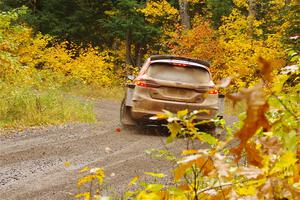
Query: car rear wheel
125, 115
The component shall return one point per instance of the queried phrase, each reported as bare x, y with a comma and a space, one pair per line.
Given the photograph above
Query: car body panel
144, 105
172, 83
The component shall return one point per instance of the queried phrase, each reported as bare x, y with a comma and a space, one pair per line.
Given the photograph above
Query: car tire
125, 116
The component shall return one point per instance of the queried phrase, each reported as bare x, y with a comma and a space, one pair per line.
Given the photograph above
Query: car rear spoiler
166, 57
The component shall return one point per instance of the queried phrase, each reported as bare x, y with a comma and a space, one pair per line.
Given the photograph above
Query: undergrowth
114, 92
41, 79
23, 106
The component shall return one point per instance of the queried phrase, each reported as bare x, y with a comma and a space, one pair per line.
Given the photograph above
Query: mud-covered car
169, 83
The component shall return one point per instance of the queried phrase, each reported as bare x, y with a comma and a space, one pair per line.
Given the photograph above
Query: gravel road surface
32, 163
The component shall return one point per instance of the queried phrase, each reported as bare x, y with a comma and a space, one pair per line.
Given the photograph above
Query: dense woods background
52, 51
141, 28
81, 44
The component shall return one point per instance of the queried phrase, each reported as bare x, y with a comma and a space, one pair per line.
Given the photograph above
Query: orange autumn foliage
200, 43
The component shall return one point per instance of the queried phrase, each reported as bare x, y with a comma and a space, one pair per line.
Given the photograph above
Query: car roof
172, 58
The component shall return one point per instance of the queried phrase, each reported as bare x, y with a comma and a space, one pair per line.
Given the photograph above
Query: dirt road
32, 164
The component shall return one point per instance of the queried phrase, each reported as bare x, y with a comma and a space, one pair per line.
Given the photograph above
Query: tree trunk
286, 4
138, 54
251, 15
115, 48
252, 8
33, 3
128, 41
184, 15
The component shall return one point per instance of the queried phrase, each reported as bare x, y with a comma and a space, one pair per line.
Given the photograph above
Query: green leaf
175, 129
291, 141
168, 113
129, 194
207, 138
203, 122
182, 113
171, 158
295, 58
291, 52
176, 192
154, 187
143, 184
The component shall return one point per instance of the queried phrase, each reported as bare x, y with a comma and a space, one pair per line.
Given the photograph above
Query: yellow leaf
189, 152
182, 113
147, 196
97, 175
133, 180
67, 164
97, 171
248, 190
158, 175
154, 187
97, 197
204, 163
86, 179
175, 130
162, 116
84, 169
286, 160
85, 195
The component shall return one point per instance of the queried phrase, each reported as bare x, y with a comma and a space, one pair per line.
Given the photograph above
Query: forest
54, 51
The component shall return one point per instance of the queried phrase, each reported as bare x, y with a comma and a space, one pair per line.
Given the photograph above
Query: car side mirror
131, 77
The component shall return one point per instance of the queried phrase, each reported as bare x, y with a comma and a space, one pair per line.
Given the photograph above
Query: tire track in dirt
32, 162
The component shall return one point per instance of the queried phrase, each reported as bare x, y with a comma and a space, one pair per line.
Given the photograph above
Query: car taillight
143, 83
213, 91
140, 83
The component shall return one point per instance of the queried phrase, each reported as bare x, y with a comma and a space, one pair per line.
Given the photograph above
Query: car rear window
188, 74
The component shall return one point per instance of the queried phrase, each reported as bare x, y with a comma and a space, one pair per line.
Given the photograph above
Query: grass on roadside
111, 92
23, 106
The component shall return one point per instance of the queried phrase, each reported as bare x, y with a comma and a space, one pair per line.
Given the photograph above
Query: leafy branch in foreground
92, 180
258, 161
267, 141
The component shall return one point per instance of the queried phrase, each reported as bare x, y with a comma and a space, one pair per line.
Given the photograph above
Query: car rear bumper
144, 106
